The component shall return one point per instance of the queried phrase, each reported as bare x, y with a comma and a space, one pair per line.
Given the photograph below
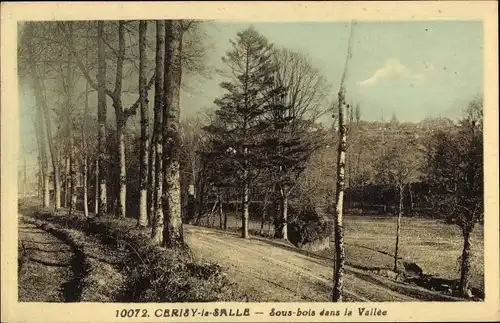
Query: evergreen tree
238, 133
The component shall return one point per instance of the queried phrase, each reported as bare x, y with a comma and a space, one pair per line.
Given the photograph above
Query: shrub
307, 225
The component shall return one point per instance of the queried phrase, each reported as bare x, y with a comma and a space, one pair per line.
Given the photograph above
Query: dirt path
46, 274
272, 271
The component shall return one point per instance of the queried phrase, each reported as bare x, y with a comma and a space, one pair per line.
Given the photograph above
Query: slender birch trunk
338, 230
173, 232
339, 206
143, 93
101, 103
398, 227
158, 217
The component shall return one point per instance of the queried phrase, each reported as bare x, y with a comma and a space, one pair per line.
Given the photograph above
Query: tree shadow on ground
72, 289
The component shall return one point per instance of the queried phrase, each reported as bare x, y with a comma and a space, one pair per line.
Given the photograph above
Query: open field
433, 245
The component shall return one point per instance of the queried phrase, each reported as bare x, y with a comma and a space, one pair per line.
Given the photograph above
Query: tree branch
79, 62
132, 109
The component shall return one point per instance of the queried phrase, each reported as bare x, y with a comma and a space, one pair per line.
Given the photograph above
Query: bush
307, 225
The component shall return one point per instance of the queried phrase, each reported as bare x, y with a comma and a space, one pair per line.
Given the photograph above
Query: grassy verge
79, 265
152, 273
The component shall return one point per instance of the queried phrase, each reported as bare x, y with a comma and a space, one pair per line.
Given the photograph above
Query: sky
411, 69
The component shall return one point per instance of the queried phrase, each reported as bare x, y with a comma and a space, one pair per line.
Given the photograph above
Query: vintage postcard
249, 161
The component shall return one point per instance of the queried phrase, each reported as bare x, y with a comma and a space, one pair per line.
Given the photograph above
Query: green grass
432, 244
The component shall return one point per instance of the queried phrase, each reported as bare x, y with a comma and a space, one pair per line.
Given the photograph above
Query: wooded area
261, 154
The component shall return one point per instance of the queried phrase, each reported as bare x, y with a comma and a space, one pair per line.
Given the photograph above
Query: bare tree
85, 147
121, 113
398, 167
342, 146
306, 87
101, 112
297, 99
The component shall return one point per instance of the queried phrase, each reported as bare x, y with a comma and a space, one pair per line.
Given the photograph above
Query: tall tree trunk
73, 179
40, 97
284, 215
151, 178
56, 167
96, 198
211, 214
338, 229
44, 163
173, 232
122, 168
71, 150
398, 227
43, 113
101, 104
67, 176
158, 217
465, 265
264, 213
85, 151
281, 229
342, 147
245, 213
225, 218
143, 93
190, 205
39, 179
121, 120
200, 205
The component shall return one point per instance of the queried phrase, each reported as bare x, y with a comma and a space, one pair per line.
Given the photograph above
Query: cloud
393, 67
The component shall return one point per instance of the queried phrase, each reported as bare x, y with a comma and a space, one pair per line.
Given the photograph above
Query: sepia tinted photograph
168, 161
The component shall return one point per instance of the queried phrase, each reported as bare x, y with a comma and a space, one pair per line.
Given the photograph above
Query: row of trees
262, 141
264, 128
57, 58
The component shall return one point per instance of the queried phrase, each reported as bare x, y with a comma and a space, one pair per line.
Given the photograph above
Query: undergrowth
153, 273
